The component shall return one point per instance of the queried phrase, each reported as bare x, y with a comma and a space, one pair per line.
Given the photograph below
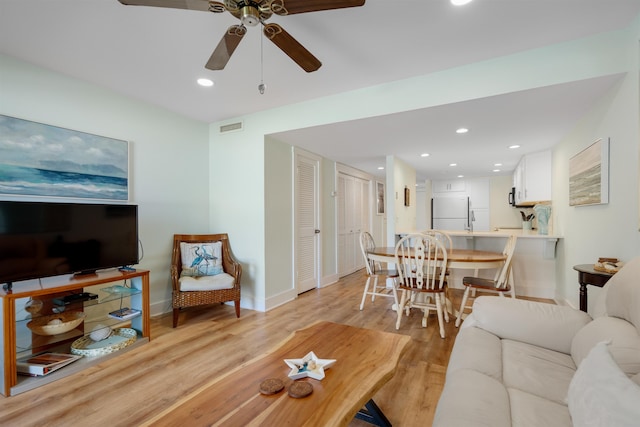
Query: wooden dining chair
376, 284
203, 271
501, 284
422, 263
443, 236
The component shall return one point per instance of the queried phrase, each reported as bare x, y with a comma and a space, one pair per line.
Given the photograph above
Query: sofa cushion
479, 350
624, 342
529, 410
623, 293
545, 325
601, 394
470, 398
536, 370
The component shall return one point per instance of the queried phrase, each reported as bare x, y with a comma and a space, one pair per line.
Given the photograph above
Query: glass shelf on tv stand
21, 341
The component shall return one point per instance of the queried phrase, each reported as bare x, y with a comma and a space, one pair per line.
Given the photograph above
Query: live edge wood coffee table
365, 360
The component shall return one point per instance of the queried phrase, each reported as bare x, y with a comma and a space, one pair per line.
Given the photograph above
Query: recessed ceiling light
424, 155
497, 164
453, 164
205, 82
460, 176
496, 170
460, 2
380, 168
462, 130
514, 146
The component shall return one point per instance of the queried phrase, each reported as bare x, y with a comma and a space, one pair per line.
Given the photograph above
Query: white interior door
307, 245
353, 217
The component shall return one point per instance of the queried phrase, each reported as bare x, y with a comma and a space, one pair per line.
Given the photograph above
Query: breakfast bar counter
534, 260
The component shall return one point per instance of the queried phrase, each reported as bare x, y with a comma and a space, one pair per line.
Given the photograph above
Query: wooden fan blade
292, 47
174, 4
290, 7
226, 46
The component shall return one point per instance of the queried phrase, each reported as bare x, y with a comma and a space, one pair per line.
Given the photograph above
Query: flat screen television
42, 239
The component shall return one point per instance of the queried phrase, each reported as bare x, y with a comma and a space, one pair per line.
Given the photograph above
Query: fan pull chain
261, 86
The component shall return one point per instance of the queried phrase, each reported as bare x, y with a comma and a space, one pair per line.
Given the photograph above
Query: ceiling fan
251, 13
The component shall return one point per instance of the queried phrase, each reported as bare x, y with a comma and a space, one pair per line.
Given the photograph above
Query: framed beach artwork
42, 160
589, 175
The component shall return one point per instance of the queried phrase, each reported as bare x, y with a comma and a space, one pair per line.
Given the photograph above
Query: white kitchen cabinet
478, 190
532, 178
448, 186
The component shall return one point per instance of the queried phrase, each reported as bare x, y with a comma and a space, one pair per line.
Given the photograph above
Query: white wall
279, 229
595, 56
404, 178
169, 168
609, 230
232, 198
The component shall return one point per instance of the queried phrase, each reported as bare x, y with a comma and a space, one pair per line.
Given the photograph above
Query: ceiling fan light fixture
249, 16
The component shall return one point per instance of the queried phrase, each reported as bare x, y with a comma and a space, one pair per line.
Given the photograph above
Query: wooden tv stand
19, 341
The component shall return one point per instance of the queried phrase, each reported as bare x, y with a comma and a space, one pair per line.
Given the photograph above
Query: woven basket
119, 339
68, 321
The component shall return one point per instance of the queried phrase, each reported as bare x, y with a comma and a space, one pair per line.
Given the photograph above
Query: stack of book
124, 313
44, 363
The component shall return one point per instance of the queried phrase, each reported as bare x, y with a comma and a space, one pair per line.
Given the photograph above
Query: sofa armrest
545, 325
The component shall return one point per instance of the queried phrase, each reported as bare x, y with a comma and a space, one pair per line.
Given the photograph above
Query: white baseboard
280, 299
329, 280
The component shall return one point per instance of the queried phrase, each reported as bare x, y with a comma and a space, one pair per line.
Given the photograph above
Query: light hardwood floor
126, 390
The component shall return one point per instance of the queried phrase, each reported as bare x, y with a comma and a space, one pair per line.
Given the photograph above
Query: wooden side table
587, 275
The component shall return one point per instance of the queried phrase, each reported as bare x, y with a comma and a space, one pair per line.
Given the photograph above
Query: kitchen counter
505, 232
534, 263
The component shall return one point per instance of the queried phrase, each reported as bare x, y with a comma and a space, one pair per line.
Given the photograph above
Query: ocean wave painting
43, 160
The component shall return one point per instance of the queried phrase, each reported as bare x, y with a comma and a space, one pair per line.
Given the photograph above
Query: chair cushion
601, 394
206, 283
201, 259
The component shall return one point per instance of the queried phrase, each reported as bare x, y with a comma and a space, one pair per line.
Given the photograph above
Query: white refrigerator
450, 213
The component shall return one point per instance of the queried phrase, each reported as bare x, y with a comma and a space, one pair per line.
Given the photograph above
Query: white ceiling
156, 55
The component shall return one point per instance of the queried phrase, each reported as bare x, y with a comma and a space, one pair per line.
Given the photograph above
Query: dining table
456, 259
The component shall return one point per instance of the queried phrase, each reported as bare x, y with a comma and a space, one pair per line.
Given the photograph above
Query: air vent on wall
231, 127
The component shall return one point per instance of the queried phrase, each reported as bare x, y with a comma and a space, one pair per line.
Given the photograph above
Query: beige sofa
522, 363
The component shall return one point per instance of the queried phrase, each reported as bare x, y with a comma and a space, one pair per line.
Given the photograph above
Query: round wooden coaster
271, 386
299, 389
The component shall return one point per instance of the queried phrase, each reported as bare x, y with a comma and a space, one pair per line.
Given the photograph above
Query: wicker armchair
191, 298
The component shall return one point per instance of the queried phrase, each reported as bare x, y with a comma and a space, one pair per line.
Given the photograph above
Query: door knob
317, 231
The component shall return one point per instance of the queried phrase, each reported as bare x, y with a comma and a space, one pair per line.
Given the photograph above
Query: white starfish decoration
309, 366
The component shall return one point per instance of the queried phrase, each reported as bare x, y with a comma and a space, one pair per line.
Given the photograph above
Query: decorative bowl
119, 339
55, 324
